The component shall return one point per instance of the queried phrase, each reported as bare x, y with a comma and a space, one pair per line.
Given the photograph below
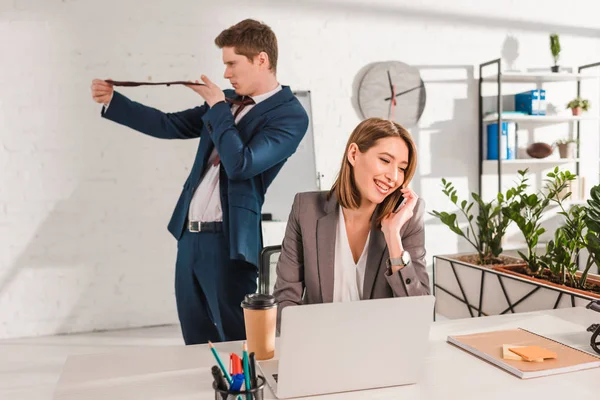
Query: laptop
341, 347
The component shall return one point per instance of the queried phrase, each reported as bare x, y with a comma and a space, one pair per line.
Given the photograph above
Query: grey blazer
305, 269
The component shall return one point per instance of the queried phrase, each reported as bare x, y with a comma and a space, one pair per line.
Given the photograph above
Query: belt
197, 226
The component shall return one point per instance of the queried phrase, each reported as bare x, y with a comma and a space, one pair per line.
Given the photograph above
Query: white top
349, 277
206, 202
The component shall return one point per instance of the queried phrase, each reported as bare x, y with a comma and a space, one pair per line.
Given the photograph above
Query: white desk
179, 372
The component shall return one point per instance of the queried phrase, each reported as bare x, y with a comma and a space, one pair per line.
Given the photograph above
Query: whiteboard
299, 173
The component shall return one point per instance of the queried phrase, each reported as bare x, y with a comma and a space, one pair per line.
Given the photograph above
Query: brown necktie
241, 102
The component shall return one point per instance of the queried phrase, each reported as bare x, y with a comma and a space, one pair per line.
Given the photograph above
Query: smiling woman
353, 242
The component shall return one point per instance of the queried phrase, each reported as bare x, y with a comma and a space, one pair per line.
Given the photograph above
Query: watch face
392, 79
405, 257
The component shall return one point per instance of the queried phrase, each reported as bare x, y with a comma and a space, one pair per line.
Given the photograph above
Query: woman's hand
394, 221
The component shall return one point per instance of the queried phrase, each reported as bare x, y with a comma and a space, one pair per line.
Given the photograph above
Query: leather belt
197, 226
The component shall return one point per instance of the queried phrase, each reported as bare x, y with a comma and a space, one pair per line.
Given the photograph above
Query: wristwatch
403, 260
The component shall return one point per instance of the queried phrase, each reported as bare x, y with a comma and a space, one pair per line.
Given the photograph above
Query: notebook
489, 346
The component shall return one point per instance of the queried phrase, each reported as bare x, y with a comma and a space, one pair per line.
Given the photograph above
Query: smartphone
400, 203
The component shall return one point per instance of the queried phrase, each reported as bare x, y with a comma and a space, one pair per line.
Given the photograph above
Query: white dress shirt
206, 202
349, 277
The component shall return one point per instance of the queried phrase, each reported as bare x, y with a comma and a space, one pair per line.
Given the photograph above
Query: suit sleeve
274, 143
289, 286
150, 121
413, 279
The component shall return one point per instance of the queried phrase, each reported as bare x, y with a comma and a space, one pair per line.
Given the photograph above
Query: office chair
264, 268
595, 328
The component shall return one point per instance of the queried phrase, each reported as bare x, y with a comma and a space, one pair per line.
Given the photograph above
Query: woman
353, 243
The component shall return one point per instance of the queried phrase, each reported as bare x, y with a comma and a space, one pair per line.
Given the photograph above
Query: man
244, 142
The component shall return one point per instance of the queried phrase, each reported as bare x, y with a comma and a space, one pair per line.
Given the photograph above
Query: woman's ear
352, 151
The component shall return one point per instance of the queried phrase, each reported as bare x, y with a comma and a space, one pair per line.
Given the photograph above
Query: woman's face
380, 170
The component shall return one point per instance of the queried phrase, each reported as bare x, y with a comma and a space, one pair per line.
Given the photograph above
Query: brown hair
249, 38
365, 135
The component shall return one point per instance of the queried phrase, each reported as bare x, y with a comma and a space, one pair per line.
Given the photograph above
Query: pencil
214, 351
246, 370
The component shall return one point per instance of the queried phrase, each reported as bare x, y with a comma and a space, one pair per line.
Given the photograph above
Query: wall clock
392, 90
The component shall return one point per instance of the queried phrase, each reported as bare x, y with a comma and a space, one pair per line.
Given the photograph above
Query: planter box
467, 290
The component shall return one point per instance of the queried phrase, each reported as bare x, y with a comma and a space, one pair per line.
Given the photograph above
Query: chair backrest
267, 269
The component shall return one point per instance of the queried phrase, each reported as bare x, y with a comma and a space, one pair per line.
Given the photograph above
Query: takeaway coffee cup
260, 318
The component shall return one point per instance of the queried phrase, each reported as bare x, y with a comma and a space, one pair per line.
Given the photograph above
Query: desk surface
179, 372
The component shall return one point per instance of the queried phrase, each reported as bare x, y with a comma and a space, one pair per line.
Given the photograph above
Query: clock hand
392, 103
406, 91
390, 80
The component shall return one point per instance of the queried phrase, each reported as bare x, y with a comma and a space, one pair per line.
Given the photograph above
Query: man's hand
102, 91
211, 92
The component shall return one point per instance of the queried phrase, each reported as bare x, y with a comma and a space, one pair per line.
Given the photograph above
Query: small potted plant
577, 105
567, 148
555, 50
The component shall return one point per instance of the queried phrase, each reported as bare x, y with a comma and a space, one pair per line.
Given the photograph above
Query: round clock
392, 90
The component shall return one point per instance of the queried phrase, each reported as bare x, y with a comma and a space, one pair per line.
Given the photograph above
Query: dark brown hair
249, 38
366, 135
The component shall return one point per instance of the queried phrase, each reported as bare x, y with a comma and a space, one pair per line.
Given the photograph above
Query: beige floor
30, 368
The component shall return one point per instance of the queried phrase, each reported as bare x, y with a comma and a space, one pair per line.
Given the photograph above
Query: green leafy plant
580, 231
565, 141
555, 47
578, 102
592, 222
526, 210
490, 222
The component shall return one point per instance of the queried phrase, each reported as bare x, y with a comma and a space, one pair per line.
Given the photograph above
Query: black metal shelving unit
525, 78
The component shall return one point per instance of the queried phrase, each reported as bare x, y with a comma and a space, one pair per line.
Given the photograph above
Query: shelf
544, 119
539, 77
528, 161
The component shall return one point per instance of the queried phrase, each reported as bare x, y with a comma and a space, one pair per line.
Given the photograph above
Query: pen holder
256, 393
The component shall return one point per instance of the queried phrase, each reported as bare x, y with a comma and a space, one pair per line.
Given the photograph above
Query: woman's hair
366, 135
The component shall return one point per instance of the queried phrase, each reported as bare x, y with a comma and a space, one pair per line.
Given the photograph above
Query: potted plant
577, 105
544, 278
558, 266
490, 222
555, 50
567, 148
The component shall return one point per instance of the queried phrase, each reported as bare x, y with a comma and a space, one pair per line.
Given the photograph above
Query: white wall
84, 203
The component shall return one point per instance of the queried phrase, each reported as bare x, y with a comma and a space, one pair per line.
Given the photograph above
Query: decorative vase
567, 150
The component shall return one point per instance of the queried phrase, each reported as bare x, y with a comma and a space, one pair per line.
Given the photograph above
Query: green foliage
555, 47
578, 102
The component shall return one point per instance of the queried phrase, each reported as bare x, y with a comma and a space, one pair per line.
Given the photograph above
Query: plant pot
567, 150
516, 270
465, 290
555, 68
577, 111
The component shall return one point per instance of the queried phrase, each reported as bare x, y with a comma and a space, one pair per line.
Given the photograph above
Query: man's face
242, 73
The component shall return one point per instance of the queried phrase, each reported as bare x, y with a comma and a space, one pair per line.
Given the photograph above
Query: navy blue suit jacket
252, 153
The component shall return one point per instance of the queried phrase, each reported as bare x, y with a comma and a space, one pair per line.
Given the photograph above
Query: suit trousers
210, 287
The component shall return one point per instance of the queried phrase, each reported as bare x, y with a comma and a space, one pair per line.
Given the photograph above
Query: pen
236, 385
236, 364
214, 351
253, 381
218, 377
246, 369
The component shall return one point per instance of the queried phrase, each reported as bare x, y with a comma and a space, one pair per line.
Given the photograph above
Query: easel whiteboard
299, 174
